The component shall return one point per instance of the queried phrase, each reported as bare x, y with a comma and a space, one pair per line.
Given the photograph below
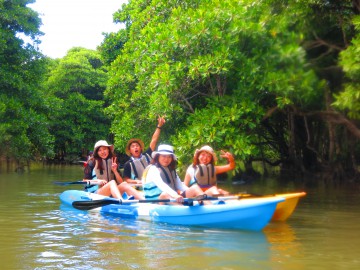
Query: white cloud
70, 23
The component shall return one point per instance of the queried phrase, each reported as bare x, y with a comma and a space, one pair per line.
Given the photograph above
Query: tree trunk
331, 127
294, 159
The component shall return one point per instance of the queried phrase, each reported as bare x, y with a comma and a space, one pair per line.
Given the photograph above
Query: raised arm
228, 167
156, 135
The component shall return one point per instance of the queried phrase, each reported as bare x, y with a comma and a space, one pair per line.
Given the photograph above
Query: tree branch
318, 42
330, 116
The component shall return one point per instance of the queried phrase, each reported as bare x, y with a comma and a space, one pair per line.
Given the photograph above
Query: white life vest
205, 175
106, 174
151, 190
138, 166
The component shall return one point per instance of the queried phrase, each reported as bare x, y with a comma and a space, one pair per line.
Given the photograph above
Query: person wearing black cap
139, 160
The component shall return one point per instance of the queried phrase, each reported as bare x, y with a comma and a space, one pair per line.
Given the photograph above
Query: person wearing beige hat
160, 180
139, 160
102, 175
203, 171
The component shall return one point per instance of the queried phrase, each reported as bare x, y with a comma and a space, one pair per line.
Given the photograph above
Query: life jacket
105, 174
151, 190
205, 175
138, 165
168, 176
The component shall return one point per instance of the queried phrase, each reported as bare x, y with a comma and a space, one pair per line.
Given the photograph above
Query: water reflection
285, 246
36, 232
279, 232
142, 242
72, 214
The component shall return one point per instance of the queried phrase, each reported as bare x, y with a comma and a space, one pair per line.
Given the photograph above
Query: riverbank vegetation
274, 82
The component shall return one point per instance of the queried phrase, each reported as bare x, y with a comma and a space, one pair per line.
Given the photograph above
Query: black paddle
80, 182
88, 205
242, 195
59, 183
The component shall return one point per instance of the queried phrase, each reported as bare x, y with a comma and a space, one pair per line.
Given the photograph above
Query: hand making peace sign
114, 164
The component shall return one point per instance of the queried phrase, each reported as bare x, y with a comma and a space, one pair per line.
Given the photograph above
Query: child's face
103, 152
205, 158
135, 149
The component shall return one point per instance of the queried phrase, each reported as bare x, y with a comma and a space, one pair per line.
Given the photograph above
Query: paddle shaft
91, 204
242, 195
80, 182
59, 183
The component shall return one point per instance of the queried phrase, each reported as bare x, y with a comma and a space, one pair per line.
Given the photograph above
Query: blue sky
70, 23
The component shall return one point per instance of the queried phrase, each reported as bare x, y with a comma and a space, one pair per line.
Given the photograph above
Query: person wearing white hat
139, 160
203, 171
160, 180
103, 166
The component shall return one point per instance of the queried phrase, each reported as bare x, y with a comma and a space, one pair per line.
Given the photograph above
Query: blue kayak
245, 214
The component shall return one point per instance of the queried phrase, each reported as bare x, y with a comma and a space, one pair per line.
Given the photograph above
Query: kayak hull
244, 214
285, 209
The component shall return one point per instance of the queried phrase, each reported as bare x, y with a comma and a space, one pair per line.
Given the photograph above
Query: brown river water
37, 232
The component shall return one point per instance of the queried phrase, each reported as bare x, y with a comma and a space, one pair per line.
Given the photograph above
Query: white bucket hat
103, 143
207, 149
164, 149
